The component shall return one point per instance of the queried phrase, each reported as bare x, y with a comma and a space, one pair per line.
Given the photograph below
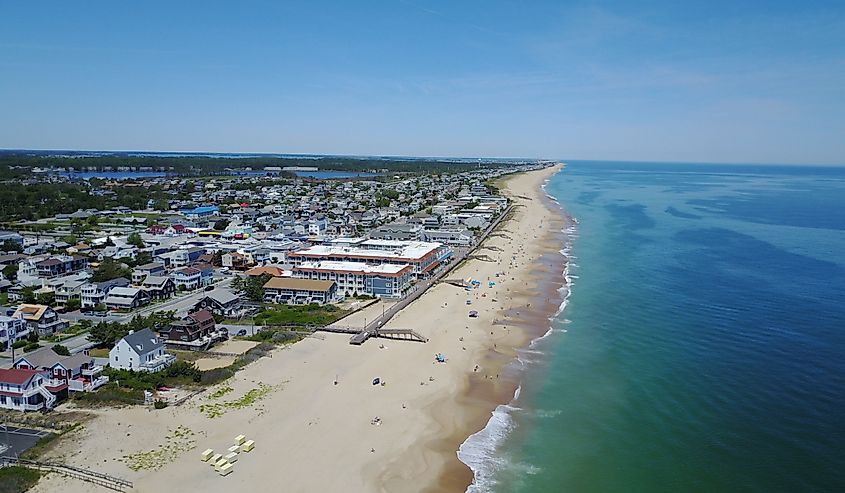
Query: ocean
702, 345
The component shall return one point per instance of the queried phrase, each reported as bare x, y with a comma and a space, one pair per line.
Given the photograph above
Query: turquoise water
702, 347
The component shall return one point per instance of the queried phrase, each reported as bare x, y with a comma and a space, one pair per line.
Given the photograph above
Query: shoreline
469, 445
307, 425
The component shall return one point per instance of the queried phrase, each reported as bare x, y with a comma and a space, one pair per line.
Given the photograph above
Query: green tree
73, 304
28, 294
48, 299
10, 272
221, 224
134, 239
11, 246
143, 257
70, 239
110, 269
61, 350
254, 287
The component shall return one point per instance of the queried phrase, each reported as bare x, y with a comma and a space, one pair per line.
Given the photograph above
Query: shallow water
703, 345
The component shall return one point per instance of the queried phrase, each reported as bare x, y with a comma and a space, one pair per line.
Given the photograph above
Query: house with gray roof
140, 351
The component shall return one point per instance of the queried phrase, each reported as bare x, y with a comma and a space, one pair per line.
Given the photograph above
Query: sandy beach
311, 407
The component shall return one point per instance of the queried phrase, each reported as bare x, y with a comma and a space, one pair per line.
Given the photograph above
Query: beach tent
473, 313
376, 381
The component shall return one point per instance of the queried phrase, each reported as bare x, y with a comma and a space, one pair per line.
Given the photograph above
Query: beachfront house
140, 351
222, 302
195, 331
79, 371
25, 390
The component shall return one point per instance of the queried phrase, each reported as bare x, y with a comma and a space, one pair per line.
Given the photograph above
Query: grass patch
110, 394
17, 479
217, 409
98, 352
220, 392
178, 440
312, 314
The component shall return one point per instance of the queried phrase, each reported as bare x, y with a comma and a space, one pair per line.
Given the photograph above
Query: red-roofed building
28, 390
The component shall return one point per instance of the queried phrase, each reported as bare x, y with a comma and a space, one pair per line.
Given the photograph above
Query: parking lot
15, 440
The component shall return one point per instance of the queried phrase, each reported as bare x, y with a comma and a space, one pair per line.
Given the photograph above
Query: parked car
209, 288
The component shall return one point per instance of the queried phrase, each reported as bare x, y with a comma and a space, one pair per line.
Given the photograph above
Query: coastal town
146, 308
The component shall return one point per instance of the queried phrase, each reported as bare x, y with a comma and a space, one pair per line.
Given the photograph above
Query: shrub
159, 404
16, 479
61, 350
20, 343
32, 346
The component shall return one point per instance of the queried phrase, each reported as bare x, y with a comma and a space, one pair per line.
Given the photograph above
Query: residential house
186, 278
126, 298
159, 287
186, 256
26, 390
140, 351
299, 291
195, 331
222, 302
41, 318
150, 269
234, 260
60, 265
79, 371
206, 273
12, 329
95, 293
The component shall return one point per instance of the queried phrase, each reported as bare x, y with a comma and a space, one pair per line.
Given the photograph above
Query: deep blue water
703, 345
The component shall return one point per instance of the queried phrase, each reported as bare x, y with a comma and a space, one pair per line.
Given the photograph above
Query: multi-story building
95, 293
27, 390
423, 257
12, 329
42, 319
354, 278
299, 291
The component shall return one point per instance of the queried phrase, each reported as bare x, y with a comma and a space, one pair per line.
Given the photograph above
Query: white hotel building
423, 257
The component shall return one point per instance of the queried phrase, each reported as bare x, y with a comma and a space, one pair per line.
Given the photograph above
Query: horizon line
408, 156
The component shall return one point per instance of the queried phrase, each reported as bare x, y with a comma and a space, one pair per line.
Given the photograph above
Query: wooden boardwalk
94, 477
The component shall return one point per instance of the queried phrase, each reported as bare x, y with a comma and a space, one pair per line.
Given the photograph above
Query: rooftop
298, 284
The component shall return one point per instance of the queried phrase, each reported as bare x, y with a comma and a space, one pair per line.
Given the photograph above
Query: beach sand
313, 427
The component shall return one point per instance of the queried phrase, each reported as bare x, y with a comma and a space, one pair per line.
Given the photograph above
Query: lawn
98, 352
299, 315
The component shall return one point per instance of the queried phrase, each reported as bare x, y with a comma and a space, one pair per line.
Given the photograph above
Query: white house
140, 351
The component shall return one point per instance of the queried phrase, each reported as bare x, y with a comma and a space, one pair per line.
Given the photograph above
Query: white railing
158, 363
96, 370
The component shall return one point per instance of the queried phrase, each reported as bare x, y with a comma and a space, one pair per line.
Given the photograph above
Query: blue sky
711, 81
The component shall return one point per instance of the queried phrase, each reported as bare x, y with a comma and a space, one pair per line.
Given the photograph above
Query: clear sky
714, 81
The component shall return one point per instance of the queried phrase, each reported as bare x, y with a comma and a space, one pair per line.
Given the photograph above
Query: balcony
159, 363
79, 385
93, 371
